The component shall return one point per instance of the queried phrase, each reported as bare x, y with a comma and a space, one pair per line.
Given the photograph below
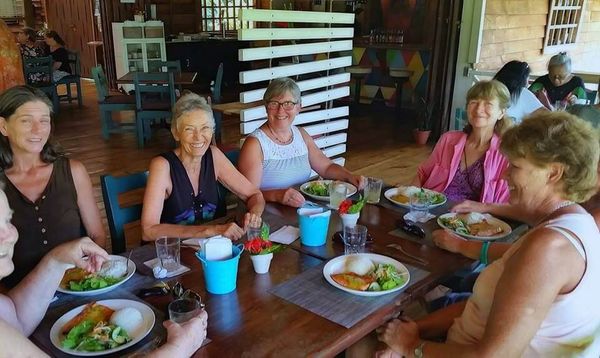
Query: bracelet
483, 254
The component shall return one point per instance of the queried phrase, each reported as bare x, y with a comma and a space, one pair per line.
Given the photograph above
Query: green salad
456, 224
93, 283
318, 188
88, 337
433, 196
387, 277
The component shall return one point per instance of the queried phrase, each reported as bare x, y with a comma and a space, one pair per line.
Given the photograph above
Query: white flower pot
261, 263
350, 220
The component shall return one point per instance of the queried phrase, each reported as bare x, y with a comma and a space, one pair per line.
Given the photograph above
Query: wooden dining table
181, 78
252, 322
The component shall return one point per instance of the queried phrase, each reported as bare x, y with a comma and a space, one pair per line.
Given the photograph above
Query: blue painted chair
73, 78
172, 66
108, 104
216, 98
42, 67
154, 99
116, 215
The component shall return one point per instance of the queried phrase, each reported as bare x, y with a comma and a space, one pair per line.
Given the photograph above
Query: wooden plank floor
379, 143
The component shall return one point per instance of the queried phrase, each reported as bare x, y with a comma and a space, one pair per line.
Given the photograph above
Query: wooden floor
379, 143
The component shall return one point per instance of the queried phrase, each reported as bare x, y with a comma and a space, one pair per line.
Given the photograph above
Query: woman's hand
448, 241
186, 338
230, 230
401, 335
83, 253
469, 206
292, 197
358, 181
252, 220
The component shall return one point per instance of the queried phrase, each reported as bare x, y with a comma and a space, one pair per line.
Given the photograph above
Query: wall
515, 29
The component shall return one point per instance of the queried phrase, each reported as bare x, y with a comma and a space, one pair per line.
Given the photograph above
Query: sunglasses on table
410, 227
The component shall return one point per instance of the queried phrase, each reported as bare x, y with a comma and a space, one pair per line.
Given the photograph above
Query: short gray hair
280, 86
190, 102
560, 59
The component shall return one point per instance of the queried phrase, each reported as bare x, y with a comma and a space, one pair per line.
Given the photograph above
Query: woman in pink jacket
468, 165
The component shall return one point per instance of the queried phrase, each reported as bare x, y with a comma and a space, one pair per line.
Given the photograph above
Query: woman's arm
90, 215
325, 167
508, 211
14, 344
437, 324
471, 249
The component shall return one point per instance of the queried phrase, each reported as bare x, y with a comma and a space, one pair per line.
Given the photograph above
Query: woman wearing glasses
559, 88
279, 155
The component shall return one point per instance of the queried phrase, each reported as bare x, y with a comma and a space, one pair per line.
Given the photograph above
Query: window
218, 15
11, 9
563, 24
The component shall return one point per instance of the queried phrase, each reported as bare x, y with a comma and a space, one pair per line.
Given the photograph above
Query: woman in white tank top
539, 298
278, 155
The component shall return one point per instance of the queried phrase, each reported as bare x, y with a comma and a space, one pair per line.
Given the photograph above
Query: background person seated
60, 55
279, 155
559, 86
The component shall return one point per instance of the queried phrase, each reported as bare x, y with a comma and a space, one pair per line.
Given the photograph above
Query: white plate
130, 271
393, 191
351, 189
337, 265
506, 229
148, 323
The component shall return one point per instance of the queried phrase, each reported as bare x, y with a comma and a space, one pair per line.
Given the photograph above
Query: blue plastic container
220, 276
313, 227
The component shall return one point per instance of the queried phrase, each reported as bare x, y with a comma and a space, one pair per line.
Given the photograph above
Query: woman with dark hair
514, 75
559, 87
51, 195
26, 37
59, 54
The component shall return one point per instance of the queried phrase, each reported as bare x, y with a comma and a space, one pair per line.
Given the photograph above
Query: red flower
258, 246
344, 206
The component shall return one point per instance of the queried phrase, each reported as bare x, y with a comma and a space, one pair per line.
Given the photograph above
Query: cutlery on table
409, 255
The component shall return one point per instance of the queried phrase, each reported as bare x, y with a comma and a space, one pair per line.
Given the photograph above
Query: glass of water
337, 193
355, 238
373, 190
419, 206
167, 251
183, 309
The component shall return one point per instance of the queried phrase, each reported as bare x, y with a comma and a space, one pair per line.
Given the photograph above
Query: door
74, 22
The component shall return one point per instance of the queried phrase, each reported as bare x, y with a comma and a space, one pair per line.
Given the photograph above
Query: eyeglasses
287, 105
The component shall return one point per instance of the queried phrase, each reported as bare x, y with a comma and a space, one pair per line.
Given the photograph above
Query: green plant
424, 112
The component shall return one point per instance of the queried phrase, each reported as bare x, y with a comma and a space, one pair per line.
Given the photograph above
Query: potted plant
423, 117
261, 250
350, 211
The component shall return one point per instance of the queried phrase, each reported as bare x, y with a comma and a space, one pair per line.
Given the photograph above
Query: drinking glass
183, 309
560, 105
167, 251
337, 193
419, 206
253, 232
373, 190
355, 239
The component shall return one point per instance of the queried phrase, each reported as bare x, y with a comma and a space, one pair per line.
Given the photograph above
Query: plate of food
102, 327
366, 274
114, 272
401, 196
319, 189
475, 226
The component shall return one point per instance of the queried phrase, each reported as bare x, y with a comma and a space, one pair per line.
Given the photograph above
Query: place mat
312, 292
180, 270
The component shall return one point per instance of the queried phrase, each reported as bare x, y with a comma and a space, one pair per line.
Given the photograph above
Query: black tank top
182, 207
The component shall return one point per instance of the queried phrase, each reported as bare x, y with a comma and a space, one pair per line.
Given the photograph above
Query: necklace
277, 138
561, 205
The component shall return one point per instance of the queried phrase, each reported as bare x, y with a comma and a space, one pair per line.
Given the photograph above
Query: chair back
170, 66
41, 66
216, 91
74, 62
591, 95
101, 82
154, 84
117, 216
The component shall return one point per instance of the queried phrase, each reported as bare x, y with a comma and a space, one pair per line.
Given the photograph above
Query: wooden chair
73, 78
216, 98
42, 67
154, 99
108, 104
172, 66
116, 215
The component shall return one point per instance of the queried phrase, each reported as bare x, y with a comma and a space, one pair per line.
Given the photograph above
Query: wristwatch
418, 353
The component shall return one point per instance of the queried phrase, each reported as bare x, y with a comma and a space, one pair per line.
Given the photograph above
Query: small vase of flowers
261, 249
350, 211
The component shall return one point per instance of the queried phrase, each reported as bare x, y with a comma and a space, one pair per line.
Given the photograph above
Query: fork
147, 348
409, 255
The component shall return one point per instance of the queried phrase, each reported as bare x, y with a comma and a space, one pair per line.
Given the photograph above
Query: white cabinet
139, 46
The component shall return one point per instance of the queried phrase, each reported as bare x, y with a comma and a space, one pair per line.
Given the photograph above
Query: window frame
562, 33
228, 7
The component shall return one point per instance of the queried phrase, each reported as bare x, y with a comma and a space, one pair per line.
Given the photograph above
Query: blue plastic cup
314, 224
220, 276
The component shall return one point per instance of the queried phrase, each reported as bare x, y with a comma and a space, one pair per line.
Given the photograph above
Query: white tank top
283, 165
572, 325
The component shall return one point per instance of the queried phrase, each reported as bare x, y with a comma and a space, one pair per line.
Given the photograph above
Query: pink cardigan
437, 172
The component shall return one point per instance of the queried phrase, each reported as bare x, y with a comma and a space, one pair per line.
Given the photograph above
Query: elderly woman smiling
279, 155
526, 304
182, 191
468, 164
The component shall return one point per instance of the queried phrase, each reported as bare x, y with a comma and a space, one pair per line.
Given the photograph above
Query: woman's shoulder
577, 81
452, 137
159, 163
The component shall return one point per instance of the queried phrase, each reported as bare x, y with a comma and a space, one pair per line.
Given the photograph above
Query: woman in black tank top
183, 191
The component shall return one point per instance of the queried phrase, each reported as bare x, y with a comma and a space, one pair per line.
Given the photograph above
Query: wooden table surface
181, 78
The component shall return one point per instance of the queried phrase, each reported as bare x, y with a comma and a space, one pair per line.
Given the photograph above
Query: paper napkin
285, 235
